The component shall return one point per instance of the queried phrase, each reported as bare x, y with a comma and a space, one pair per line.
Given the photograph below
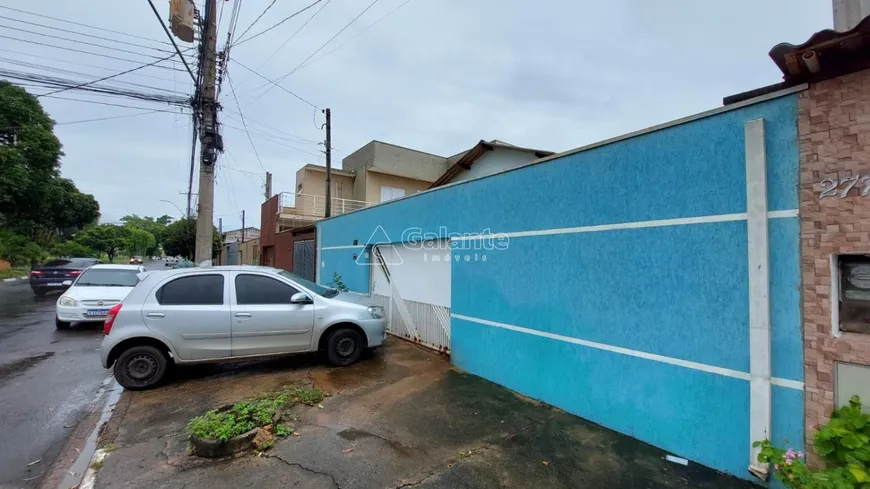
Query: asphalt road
48, 378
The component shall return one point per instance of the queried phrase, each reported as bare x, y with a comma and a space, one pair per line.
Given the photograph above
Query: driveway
401, 418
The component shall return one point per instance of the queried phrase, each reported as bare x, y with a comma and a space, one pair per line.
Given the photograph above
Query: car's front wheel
140, 367
61, 324
344, 347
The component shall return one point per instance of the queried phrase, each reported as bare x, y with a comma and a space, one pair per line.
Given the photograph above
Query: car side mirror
300, 298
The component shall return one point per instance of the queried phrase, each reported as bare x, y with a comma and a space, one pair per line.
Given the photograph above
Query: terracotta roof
825, 54
477, 152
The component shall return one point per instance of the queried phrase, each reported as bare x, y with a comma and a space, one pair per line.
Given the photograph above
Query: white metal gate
413, 286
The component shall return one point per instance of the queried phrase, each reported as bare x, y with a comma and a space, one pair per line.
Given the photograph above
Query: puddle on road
19, 366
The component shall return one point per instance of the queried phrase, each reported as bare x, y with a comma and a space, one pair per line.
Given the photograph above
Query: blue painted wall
677, 291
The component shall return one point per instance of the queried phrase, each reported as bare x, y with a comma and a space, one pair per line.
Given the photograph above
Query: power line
56, 82
406, 2
83, 34
285, 19
275, 84
257, 19
110, 104
102, 55
274, 141
294, 34
244, 124
292, 137
102, 46
160, 19
82, 85
78, 73
108, 118
83, 25
320, 48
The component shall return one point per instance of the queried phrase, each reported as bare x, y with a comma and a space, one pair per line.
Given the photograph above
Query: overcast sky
435, 75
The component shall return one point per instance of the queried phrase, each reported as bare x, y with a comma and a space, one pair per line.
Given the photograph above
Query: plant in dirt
337, 283
845, 445
283, 430
223, 424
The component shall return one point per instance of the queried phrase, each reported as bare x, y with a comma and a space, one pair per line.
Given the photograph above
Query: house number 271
830, 186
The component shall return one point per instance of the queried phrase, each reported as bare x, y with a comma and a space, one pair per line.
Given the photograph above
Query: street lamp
173, 204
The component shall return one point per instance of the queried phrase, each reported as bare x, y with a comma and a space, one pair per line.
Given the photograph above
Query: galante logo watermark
441, 246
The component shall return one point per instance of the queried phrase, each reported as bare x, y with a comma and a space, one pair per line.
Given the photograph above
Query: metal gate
232, 253
413, 286
303, 258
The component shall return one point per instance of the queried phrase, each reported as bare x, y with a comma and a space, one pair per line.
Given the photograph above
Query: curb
14, 279
82, 474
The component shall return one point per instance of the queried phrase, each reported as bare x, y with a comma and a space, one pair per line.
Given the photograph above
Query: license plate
55, 284
96, 312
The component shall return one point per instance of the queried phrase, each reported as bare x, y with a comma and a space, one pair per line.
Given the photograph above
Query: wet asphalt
48, 379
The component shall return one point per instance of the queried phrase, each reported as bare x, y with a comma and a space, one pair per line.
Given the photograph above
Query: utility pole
268, 185
209, 137
328, 163
221, 226
243, 226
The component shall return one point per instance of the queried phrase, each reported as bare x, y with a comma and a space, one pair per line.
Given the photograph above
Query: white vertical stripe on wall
759, 291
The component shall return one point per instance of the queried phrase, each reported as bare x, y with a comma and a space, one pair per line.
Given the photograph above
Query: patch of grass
244, 416
283, 430
14, 272
97, 465
108, 447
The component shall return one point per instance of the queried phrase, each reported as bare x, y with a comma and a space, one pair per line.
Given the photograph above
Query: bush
845, 445
19, 250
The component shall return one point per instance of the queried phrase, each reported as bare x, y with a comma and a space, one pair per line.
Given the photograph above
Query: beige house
379, 172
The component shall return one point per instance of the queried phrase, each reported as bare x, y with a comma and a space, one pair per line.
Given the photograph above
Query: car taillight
110, 318
35, 273
75, 273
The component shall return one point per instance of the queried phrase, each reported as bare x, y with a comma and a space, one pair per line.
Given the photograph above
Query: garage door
413, 286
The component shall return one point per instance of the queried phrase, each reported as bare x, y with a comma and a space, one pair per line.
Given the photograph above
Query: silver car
197, 315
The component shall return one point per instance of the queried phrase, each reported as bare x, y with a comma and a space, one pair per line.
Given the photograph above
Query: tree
154, 226
105, 238
18, 250
72, 249
35, 201
179, 239
140, 241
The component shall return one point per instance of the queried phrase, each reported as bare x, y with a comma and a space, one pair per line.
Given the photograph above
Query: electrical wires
285, 19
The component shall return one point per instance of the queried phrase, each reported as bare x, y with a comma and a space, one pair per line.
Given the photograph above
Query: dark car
53, 273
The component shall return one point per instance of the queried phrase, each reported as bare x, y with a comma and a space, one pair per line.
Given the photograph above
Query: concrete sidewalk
400, 418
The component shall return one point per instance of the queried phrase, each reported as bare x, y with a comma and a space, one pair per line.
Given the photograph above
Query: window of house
257, 289
195, 290
390, 193
854, 293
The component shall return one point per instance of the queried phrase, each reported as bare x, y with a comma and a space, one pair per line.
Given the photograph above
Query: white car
94, 292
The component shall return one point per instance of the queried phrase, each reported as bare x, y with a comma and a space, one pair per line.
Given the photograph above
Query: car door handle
243, 315
154, 315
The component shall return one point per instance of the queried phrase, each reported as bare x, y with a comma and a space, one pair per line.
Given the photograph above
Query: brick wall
834, 132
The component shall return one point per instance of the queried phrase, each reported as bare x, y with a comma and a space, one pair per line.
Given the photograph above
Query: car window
82, 262
317, 289
193, 290
257, 289
56, 263
107, 277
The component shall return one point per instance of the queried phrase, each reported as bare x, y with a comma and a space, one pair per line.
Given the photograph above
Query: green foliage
844, 443
35, 201
72, 249
105, 238
14, 272
223, 424
336, 283
18, 250
283, 430
179, 239
140, 241
155, 227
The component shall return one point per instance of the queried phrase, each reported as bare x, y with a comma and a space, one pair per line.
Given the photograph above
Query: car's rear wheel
39, 292
344, 347
61, 324
140, 367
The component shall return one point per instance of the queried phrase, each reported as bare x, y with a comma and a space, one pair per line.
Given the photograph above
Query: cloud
436, 75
